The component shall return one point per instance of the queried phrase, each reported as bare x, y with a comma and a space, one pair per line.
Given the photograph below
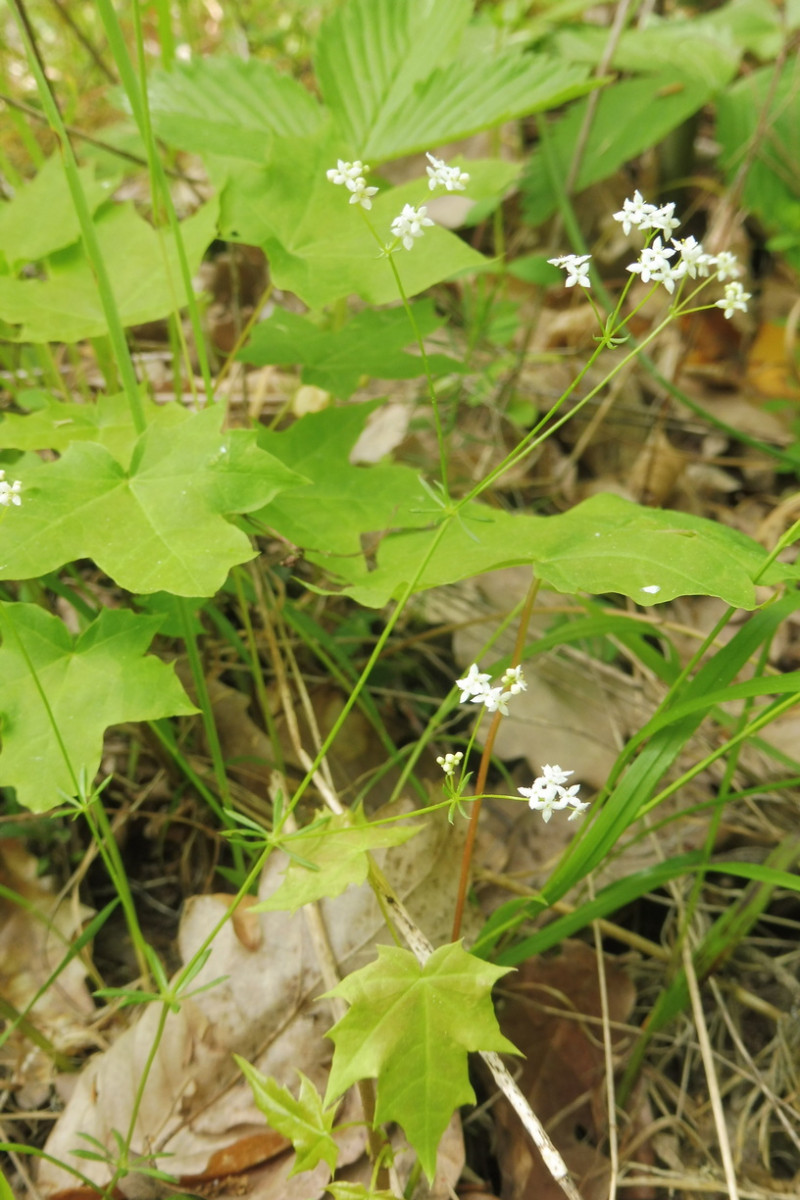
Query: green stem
88, 232
209, 724
437, 417
136, 91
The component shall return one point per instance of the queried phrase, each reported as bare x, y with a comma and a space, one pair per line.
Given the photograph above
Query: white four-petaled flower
474, 683
635, 213
476, 687
548, 793
576, 266
654, 264
735, 299
727, 266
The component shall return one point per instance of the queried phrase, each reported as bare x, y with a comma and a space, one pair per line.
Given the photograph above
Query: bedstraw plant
171, 502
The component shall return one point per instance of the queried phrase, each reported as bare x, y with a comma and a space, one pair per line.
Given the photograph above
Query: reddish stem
483, 769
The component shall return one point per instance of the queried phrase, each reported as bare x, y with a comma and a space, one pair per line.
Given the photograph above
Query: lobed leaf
303, 1120
331, 857
142, 265
371, 343
40, 218
411, 1027
51, 424
97, 679
327, 515
170, 504
317, 243
605, 544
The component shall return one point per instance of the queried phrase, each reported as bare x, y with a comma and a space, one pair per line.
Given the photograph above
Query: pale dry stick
609, 50
608, 1054
707, 1055
422, 949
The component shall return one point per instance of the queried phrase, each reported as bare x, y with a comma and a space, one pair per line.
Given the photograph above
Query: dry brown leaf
195, 1106
551, 1010
33, 941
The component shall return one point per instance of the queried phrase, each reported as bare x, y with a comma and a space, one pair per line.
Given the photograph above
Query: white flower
347, 173
449, 762
735, 298
555, 774
694, 260
579, 807
409, 224
548, 794
727, 266
495, 699
440, 175
576, 266
544, 798
653, 264
474, 683
635, 213
361, 194
9, 492
663, 218
514, 681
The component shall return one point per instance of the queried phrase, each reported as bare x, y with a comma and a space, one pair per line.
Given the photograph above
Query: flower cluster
440, 175
9, 492
409, 224
352, 175
638, 214
576, 266
476, 687
449, 762
412, 222
665, 259
549, 793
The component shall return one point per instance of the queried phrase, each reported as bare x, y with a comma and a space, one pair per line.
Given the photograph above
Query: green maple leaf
371, 343
411, 1027
171, 504
51, 424
304, 1120
340, 501
331, 856
97, 679
142, 265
